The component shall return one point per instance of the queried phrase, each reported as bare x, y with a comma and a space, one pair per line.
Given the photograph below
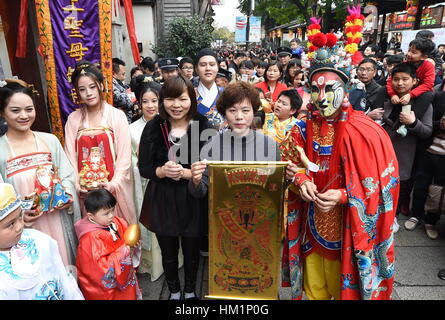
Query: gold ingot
132, 235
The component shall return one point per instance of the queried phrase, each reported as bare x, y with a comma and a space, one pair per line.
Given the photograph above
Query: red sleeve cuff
300, 178
344, 196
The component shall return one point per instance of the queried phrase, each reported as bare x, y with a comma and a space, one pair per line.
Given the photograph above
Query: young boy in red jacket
417, 55
106, 266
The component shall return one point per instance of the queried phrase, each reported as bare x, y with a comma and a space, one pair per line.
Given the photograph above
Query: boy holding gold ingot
109, 252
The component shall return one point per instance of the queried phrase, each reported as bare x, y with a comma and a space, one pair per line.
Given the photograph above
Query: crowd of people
142, 161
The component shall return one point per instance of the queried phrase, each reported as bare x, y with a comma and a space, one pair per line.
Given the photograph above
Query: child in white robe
31, 267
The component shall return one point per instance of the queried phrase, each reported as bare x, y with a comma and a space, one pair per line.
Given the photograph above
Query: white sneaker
395, 225
411, 223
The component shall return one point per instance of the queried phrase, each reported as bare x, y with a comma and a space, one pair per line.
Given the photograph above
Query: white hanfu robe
33, 270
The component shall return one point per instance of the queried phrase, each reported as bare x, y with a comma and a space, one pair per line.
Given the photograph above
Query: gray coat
227, 147
405, 147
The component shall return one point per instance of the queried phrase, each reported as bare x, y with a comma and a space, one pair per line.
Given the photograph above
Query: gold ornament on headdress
8, 200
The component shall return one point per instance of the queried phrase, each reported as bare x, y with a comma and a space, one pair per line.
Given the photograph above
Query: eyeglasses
368, 70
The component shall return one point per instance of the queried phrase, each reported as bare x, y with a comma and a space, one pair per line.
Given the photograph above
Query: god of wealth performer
94, 172
49, 193
339, 237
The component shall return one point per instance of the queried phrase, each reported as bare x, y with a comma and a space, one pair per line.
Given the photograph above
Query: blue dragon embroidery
296, 276
374, 267
385, 205
28, 246
51, 290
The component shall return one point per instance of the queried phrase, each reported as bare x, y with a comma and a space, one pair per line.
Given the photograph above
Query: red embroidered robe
105, 267
354, 154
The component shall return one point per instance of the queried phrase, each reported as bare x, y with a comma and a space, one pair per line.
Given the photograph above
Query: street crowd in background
401, 91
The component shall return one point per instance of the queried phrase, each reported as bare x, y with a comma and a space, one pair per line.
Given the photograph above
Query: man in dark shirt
374, 98
121, 98
234, 65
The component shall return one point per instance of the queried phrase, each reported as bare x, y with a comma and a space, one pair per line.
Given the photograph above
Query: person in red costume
105, 264
339, 237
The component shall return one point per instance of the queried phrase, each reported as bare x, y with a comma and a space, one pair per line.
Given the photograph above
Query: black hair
292, 63
143, 83
173, 88
295, 40
247, 64
368, 60
184, 61
405, 67
262, 64
398, 50
380, 55
441, 45
99, 199
148, 63
374, 47
205, 52
394, 59
11, 88
240, 54
88, 69
424, 34
273, 63
294, 97
116, 63
258, 120
426, 46
134, 69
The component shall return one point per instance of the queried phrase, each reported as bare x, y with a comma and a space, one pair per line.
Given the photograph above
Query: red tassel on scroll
131, 30
20, 51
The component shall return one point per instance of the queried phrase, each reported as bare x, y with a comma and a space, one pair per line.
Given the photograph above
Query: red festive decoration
313, 48
319, 40
331, 40
356, 58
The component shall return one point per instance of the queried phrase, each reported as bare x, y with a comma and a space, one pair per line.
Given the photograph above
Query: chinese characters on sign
71, 31
76, 50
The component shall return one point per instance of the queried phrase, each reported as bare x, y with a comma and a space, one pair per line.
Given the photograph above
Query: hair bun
137, 84
85, 67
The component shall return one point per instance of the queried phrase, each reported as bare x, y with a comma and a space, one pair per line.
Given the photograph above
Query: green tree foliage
277, 12
185, 37
223, 34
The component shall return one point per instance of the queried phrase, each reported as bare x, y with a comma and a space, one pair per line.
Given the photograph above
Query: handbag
435, 199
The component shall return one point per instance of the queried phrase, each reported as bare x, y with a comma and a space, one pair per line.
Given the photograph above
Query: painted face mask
327, 92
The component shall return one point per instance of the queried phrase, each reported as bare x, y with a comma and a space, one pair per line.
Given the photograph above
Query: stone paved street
418, 260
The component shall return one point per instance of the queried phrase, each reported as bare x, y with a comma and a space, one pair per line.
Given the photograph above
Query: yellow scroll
245, 228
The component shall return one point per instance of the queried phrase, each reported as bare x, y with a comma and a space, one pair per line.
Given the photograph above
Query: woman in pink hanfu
98, 124
24, 152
